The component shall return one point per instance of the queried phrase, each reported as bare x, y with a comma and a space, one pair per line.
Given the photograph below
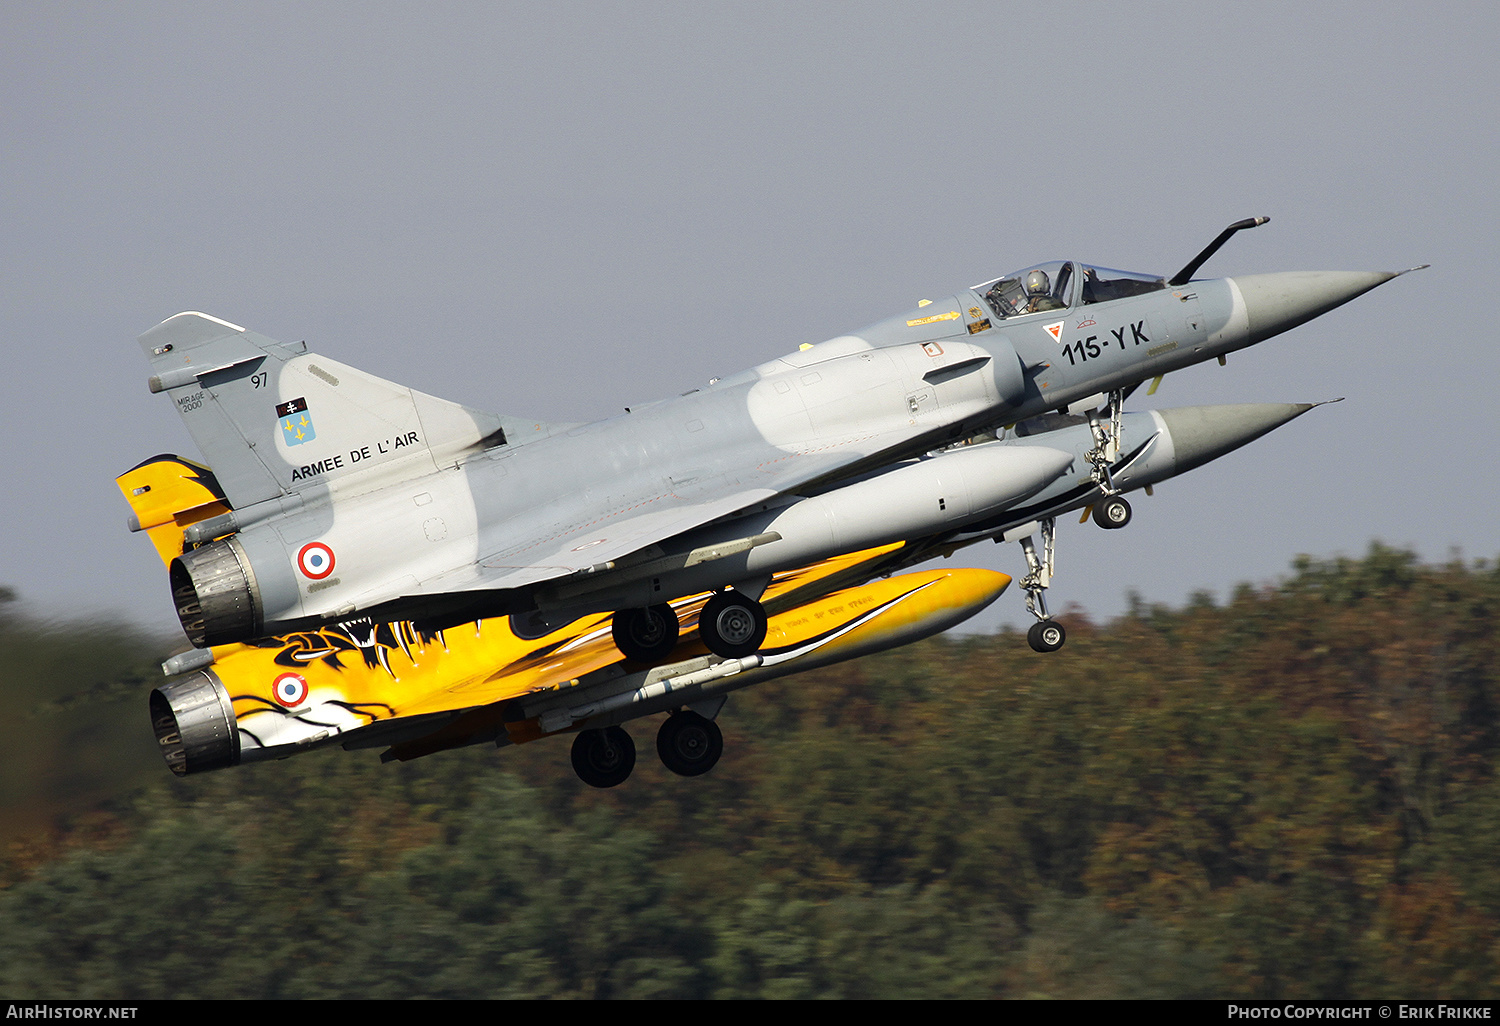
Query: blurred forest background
1289, 795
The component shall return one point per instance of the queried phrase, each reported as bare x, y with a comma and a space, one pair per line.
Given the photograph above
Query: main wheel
603, 758
645, 635
1112, 512
1046, 636
689, 744
732, 625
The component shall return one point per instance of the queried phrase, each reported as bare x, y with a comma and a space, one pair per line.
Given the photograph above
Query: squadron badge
296, 425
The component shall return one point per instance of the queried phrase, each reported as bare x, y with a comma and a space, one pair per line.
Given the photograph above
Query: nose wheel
603, 758
1112, 512
645, 635
689, 744
732, 625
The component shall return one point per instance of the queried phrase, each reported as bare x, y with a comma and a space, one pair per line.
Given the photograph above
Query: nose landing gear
1046, 635
1111, 512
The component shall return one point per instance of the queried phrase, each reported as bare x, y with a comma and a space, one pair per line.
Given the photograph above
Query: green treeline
1291, 795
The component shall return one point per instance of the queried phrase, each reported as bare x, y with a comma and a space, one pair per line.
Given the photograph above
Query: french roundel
290, 690
315, 560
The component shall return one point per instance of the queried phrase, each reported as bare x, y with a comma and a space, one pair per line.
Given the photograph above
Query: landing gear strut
732, 625
603, 758
1112, 511
1046, 635
689, 744
645, 635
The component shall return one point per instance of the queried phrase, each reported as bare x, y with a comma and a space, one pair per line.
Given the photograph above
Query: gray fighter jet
353, 496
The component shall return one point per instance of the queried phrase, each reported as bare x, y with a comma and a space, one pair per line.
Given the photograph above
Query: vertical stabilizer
166, 494
273, 419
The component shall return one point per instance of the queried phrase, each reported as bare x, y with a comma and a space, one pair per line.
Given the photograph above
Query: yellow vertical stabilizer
166, 494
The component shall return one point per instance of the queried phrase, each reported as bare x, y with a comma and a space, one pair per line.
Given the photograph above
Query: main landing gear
688, 744
645, 635
603, 758
732, 625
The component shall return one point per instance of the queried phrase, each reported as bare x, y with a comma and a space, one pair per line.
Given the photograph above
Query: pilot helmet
1037, 284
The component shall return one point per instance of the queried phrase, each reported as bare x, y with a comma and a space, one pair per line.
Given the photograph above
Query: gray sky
557, 210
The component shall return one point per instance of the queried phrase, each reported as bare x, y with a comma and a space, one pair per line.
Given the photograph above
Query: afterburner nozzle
195, 725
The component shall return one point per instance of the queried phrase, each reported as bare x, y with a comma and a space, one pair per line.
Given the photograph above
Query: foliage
1292, 795
70, 697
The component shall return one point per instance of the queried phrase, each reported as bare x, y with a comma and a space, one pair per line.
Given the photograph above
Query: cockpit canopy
1056, 286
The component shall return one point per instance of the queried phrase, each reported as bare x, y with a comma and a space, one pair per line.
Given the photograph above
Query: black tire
732, 625
1046, 636
603, 758
688, 744
645, 635
1112, 512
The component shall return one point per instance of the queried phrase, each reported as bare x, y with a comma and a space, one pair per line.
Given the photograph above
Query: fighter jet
364, 684
350, 496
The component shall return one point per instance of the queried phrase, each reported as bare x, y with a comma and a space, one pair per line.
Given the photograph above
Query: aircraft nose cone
1277, 302
1204, 433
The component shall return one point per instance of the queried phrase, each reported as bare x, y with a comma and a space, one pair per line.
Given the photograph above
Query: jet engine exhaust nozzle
194, 723
215, 594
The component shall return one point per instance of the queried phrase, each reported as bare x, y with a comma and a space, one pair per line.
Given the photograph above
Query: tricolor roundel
290, 690
315, 560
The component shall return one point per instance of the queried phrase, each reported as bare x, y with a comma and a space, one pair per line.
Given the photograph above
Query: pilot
1039, 293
